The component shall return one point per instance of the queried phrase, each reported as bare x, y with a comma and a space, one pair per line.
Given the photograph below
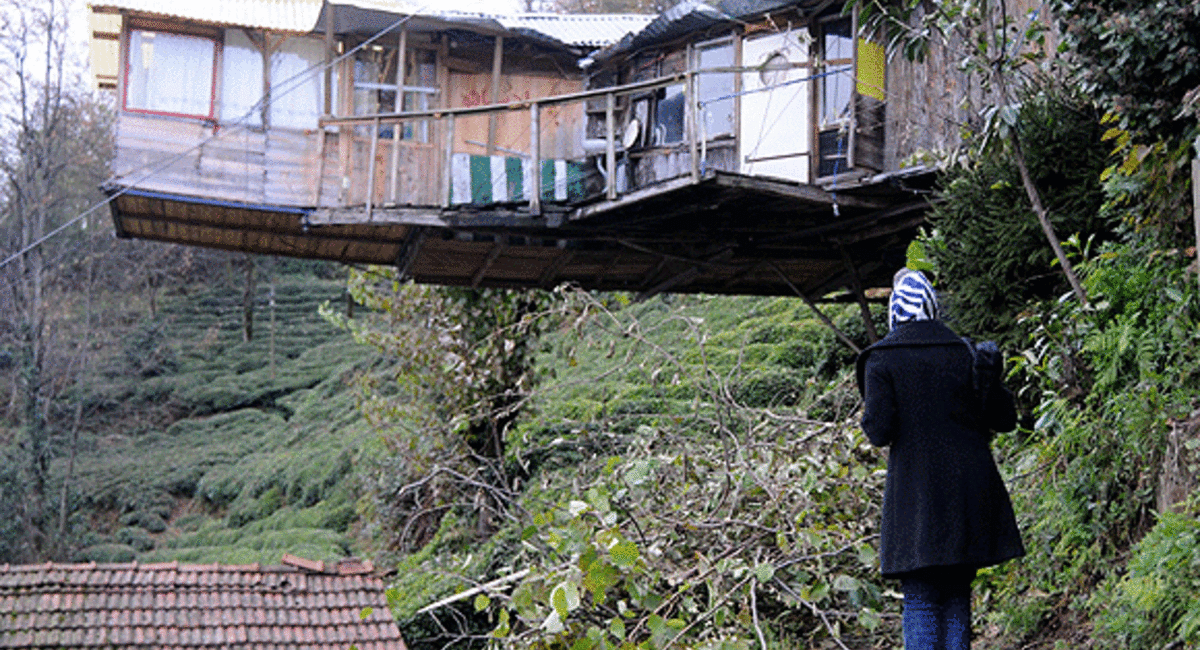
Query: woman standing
936, 400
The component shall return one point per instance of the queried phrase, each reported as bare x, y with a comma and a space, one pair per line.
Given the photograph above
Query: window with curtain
241, 80
297, 83
668, 116
170, 74
716, 115
837, 86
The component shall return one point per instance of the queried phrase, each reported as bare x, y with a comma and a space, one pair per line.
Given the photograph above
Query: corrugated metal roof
692, 16
282, 15
589, 30
579, 30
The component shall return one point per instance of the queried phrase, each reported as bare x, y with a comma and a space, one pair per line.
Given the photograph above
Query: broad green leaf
366, 613
601, 576
564, 598
617, 628
764, 572
624, 553
482, 602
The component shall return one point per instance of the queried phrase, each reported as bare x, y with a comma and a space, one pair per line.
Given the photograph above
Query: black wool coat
945, 503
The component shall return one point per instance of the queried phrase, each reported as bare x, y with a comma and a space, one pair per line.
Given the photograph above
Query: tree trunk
248, 300
1035, 199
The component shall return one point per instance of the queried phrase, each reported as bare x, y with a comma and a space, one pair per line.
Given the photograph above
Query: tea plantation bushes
265, 463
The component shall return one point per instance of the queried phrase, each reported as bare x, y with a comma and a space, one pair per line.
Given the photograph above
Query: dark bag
985, 368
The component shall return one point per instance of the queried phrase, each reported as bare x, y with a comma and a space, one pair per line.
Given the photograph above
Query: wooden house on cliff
734, 146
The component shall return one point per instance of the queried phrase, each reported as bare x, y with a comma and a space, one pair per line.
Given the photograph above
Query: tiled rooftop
178, 606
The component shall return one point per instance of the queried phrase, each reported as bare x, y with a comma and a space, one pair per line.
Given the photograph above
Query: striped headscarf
913, 299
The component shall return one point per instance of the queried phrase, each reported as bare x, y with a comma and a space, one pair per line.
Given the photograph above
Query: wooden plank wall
186, 157
925, 108
561, 126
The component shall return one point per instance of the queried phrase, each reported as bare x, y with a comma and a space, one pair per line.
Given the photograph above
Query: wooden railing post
535, 157
448, 172
689, 118
397, 127
610, 147
371, 168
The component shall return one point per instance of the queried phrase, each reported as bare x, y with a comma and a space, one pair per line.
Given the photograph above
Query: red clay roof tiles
185, 607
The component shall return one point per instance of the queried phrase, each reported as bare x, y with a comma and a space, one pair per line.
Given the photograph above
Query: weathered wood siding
561, 125
188, 157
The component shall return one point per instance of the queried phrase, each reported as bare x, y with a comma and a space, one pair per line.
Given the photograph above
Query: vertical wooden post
497, 64
329, 47
345, 133
326, 107
859, 295
264, 48
535, 159
610, 146
249, 293
689, 118
371, 167
448, 171
397, 127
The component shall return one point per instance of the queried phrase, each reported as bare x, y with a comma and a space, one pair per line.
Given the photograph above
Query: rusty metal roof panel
282, 15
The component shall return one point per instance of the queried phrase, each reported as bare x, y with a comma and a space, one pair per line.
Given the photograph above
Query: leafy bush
1156, 604
105, 553
991, 255
137, 538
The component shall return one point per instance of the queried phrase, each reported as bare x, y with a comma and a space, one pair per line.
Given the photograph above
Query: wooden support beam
653, 273
408, 251
737, 277
857, 287
371, 168
610, 147
329, 56
813, 306
549, 277
612, 263
669, 283
491, 258
806, 193
535, 154
398, 127
497, 64
689, 119
448, 170
847, 224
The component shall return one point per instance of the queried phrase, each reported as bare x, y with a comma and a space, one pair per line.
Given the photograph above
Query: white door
775, 121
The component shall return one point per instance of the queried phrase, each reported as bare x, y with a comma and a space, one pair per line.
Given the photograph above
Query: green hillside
219, 449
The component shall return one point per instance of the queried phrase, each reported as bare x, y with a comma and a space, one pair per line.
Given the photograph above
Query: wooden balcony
439, 195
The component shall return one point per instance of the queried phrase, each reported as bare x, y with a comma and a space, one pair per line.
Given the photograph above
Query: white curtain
241, 80
717, 115
170, 73
297, 82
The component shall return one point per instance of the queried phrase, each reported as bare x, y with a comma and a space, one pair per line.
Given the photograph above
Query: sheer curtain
297, 81
241, 79
170, 73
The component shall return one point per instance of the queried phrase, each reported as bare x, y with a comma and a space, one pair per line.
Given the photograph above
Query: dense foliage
986, 242
1140, 60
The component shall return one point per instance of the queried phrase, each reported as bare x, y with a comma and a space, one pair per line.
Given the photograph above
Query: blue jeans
937, 608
